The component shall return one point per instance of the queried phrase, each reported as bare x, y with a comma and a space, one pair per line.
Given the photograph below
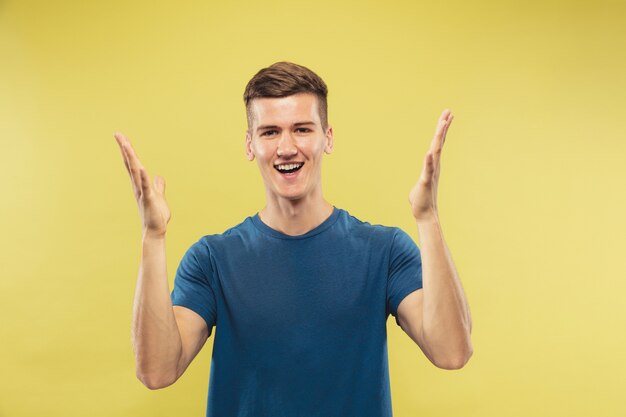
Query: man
300, 292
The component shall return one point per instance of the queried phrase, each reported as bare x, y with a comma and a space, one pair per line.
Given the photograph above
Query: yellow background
531, 195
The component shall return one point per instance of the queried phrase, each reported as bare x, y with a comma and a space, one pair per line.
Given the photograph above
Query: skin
166, 338
292, 206
437, 316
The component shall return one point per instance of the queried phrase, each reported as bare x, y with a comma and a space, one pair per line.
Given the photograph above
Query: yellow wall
531, 193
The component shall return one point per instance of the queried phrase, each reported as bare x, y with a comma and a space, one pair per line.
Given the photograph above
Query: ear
329, 140
249, 152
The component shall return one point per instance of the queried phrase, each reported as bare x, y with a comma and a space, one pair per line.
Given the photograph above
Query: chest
270, 289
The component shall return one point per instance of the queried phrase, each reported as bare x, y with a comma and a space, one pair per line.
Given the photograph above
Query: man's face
287, 131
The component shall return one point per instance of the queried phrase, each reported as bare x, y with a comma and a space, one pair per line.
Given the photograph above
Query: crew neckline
330, 220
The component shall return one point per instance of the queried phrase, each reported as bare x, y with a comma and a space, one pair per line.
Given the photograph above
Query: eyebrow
274, 126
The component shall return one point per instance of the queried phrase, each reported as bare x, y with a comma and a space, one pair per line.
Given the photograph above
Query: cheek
261, 152
313, 147
319, 147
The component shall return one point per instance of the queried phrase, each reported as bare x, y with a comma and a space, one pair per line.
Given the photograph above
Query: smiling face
287, 132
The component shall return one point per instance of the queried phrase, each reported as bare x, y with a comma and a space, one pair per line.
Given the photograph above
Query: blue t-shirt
300, 321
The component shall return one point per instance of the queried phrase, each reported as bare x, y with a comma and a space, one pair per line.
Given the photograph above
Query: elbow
156, 374
154, 381
457, 361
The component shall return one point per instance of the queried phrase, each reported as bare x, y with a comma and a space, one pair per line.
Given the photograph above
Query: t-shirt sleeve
192, 284
405, 270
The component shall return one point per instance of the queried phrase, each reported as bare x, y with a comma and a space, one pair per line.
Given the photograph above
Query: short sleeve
192, 284
405, 270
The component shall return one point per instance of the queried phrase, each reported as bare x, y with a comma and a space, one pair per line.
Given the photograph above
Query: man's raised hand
153, 209
423, 196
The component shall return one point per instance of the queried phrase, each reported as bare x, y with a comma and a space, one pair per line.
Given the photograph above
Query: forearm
446, 324
156, 338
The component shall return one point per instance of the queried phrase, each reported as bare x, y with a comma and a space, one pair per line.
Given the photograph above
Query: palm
423, 195
153, 209
156, 213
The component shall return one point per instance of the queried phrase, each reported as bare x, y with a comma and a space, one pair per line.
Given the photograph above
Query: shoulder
375, 232
232, 237
391, 240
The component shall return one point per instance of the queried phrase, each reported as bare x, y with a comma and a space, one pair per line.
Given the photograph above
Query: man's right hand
153, 209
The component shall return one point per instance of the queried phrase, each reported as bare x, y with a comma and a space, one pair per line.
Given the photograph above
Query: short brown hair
283, 79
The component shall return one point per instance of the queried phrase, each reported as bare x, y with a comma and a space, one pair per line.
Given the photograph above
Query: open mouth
289, 168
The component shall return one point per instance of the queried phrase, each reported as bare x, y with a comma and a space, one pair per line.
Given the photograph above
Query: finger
440, 138
445, 131
133, 158
120, 138
440, 135
135, 177
441, 123
437, 143
145, 182
120, 144
446, 119
442, 142
133, 161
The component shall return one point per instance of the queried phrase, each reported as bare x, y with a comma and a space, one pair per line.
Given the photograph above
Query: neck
295, 217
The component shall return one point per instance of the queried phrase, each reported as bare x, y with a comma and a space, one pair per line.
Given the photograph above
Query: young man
300, 292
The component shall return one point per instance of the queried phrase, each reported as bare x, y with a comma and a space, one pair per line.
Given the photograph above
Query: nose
286, 145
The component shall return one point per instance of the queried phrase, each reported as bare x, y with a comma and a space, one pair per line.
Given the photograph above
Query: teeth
287, 166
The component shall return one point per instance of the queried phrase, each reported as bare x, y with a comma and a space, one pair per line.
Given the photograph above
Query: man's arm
165, 339
437, 316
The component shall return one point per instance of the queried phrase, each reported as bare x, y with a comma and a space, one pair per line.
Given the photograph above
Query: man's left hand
423, 196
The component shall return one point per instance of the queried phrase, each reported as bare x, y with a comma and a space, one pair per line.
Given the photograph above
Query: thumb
159, 183
428, 166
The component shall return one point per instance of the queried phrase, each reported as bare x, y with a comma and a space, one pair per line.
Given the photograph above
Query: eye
267, 132
304, 129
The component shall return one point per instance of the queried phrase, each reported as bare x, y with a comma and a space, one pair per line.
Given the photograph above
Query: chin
291, 196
